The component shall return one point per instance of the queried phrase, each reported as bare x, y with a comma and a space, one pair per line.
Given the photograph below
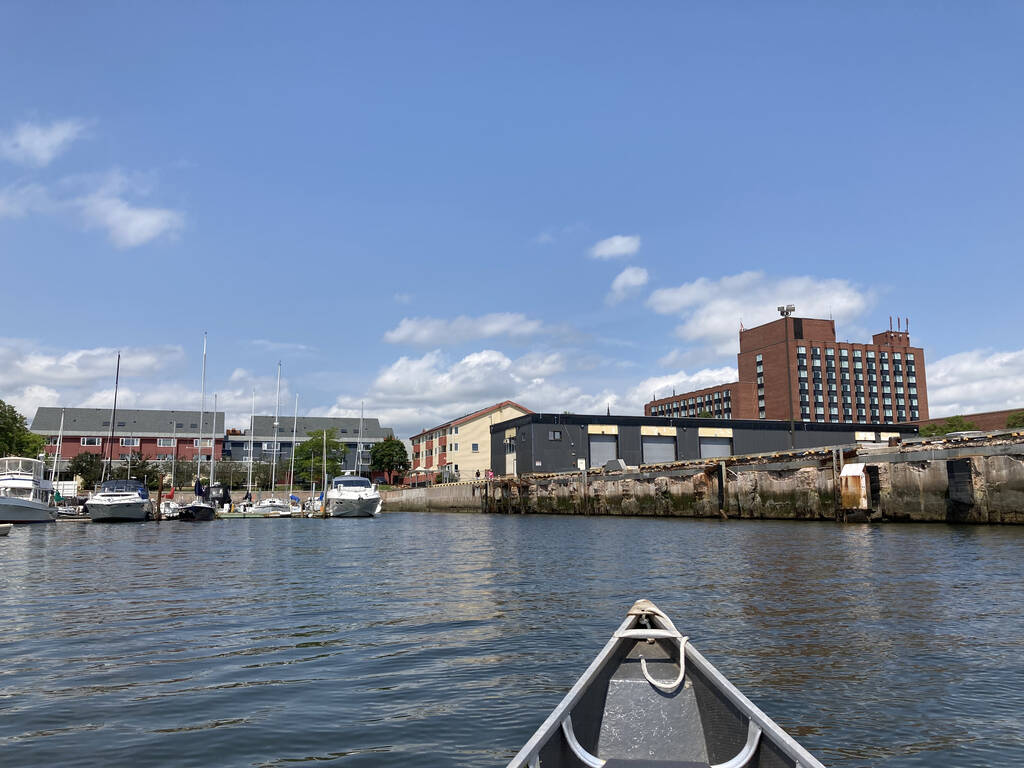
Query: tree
15, 439
145, 471
309, 457
88, 466
1015, 420
705, 415
389, 456
953, 424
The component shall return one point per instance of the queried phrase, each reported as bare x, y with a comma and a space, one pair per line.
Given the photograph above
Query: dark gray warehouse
558, 442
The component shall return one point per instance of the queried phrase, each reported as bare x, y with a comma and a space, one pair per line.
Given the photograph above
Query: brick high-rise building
794, 368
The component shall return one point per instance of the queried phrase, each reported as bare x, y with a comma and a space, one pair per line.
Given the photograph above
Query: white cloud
712, 310
127, 225
615, 247
100, 202
38, 145
626, 282
283, 346
21, 200
431, 331
975, 381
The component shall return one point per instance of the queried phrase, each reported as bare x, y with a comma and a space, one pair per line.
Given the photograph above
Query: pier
977, 478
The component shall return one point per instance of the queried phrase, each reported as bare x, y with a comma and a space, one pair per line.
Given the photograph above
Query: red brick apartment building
157, 435
793, 367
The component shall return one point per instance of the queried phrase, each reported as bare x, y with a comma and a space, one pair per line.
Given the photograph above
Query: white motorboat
273, 507
5, 528
353, 496
25, 492
169, 510
120, 501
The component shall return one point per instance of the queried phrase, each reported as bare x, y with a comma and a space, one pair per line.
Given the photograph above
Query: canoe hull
621, 712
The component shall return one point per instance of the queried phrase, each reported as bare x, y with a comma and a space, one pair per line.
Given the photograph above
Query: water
444, 640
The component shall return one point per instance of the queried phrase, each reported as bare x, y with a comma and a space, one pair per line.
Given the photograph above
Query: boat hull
5, 528
197, 513
640, 703
353, 507
13, 510
118, 510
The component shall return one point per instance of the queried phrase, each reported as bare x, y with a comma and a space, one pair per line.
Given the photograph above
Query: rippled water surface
444, 640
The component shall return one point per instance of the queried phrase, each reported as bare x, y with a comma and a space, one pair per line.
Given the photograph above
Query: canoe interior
625, 720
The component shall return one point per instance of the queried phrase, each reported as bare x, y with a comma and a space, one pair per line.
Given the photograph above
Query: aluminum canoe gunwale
770, 729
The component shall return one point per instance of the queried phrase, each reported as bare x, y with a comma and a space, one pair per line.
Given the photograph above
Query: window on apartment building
91, 441
801, 350
207, 442
856, 354
106, 423
123, 455
844, 353
554, 434
193, 426
130, 442
166, 442
829, 352
510, 445
910, 355
455, 446
757, 358
871, 354
475, 447
815, 351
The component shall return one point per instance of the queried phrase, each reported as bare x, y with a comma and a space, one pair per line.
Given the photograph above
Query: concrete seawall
965, 480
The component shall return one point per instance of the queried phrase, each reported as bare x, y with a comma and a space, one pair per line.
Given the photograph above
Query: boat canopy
124, 486
16, 465
350, 481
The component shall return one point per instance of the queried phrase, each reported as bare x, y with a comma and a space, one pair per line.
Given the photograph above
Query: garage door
659, 450
711, 447
603, 448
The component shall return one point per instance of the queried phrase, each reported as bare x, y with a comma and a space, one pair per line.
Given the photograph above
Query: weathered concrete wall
981, 482
459, 496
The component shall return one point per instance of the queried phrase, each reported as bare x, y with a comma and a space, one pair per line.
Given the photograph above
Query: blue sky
430, 207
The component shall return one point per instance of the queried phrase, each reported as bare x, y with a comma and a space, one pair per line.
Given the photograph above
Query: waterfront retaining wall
974, 480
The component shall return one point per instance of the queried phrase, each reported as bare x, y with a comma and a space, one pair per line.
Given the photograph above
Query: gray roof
137, 423
263, 428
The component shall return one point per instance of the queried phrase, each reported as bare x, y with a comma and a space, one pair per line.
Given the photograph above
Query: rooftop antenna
890, 323
899, 324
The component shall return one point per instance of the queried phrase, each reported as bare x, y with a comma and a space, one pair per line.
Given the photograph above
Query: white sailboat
199, 509
273, 506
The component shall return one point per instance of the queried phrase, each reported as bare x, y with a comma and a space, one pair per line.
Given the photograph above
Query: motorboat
272, 507
5, 528
650, 699
120, 501
197, 511
25, 493
353, 496
169, 510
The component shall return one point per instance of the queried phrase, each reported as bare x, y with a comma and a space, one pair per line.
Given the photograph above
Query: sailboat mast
359, 442
323, 504
60, 440
295, 424
277, 409
213, 439
252, 420
113, 417
202, 410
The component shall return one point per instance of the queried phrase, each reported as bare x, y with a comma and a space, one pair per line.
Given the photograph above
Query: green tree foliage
389, 456
15, 439
145, 471
309, 458
88, 466
1015, 420
705, 415
953, 424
